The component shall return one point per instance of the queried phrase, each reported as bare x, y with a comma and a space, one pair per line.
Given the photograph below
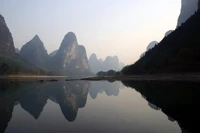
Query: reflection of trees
178, 100
109, 88
32, 97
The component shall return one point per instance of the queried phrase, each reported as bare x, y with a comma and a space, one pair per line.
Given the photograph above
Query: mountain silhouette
35, 52
110, 63
177, 52
71, 58
188, 8
6, 41
10, 61
95, 64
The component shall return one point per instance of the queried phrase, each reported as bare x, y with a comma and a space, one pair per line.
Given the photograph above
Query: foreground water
96, 107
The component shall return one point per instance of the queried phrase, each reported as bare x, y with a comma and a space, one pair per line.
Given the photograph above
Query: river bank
148, 77
154, 77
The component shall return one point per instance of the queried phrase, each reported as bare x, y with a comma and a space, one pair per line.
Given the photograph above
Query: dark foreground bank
155, 77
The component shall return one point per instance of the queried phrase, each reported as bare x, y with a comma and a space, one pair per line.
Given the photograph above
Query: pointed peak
36, 38
69, 38
70, 35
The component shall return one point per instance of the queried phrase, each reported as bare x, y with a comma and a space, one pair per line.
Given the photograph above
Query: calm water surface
94, 107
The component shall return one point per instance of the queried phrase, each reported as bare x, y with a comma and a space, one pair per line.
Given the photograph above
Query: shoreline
148, 77
31, 76
153, 77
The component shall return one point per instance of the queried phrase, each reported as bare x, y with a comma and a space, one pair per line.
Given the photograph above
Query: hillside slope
178, 52
7, 47
17, 65
10, 61
188, 8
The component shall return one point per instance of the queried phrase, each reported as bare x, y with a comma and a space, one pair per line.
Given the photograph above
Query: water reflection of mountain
69, 95
180, 101
32, 97
99, 87
10, 93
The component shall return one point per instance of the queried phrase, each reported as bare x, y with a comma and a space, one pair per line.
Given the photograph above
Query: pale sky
105, 27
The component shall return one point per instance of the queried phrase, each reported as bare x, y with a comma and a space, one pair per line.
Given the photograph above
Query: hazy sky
104, 27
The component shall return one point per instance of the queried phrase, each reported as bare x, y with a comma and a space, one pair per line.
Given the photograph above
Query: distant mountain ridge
109, 63
71, 58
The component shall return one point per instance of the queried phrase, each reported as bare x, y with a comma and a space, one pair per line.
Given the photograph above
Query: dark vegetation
108, 73
176, 53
